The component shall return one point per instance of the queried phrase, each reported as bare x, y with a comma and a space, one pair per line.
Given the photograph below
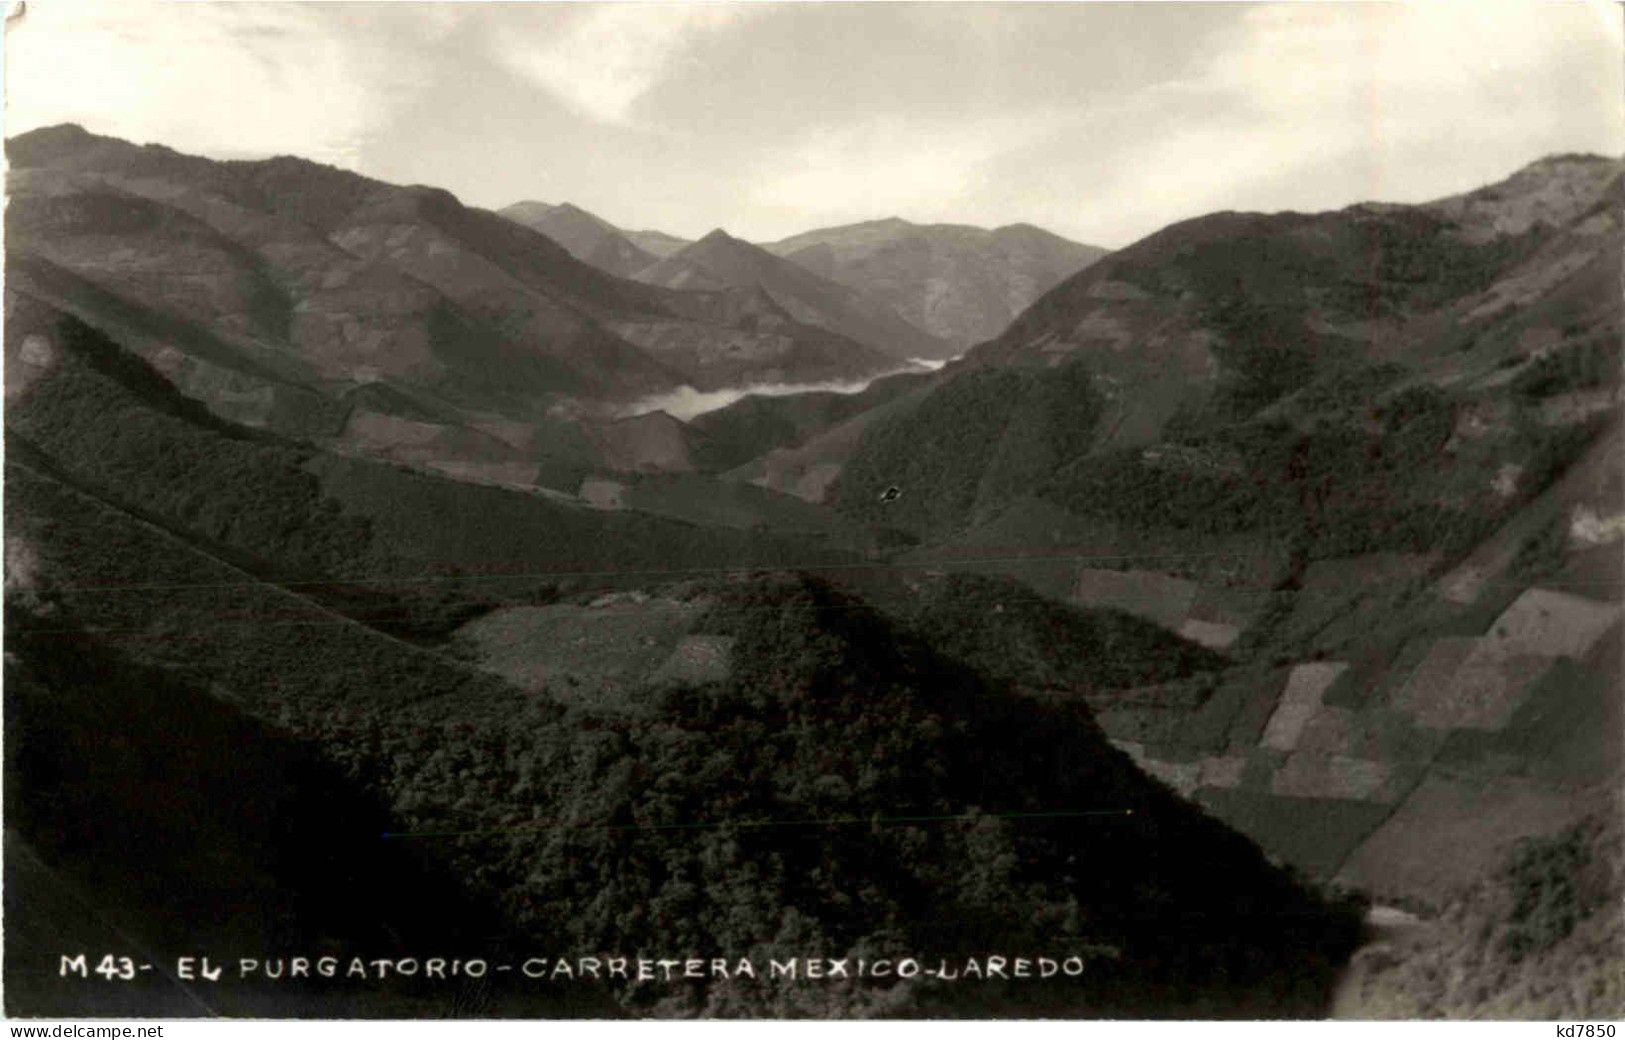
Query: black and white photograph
768, 510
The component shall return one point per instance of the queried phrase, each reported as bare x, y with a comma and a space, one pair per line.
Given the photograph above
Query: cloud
220, 78
601, 59
1315, 106
1386, 75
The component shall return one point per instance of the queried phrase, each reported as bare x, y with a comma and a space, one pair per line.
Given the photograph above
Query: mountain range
963, 284
306, 299
955, 284
720, 261
1182, 619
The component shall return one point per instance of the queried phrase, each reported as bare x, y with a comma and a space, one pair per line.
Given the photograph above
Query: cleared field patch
1306, 775
1482, 693
1211, 634
1157, 598
1226, 771
1226, 607
1483, 687
1552, 624
1300, 701
1476, 821
1327, 732
698, 659
520, 475
575, 651
601, 493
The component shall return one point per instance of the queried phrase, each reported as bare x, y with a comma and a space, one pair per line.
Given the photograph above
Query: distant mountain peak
1572, 158
588, 237
64, 131
574, 212
51, 140
961, 283
1550, 191
719, 260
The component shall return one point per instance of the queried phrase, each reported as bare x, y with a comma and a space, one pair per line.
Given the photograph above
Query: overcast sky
1102, 122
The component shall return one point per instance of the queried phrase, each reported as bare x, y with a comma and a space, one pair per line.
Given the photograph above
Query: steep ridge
732, 436
961, 283
110, 425
1373, 458
719, 260
1204, 326
658, 243
726, 324
807, 468
357, 249
589, 238
279, 292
